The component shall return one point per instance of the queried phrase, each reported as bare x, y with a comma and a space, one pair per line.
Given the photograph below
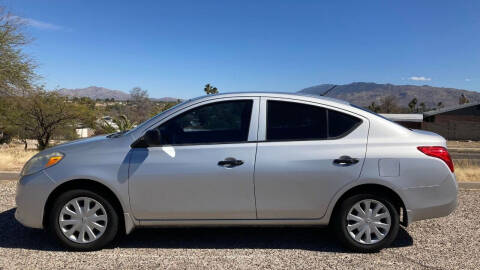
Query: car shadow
14, 235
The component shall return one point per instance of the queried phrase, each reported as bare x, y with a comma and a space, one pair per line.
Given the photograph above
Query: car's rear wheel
83, 220
366, 222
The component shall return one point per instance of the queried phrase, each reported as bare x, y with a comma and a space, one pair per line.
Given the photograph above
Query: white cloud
35, 23
468, 79
419, 78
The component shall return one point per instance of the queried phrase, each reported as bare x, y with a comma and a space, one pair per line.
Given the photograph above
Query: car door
203, 168
306, 153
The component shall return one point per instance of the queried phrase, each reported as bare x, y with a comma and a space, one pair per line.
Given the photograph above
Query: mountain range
359, 93
95, 92
363, 93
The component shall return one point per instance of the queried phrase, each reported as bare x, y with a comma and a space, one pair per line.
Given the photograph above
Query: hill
363, 94
95, 92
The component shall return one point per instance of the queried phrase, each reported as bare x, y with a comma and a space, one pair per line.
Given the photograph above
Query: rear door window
292, 121
295, 121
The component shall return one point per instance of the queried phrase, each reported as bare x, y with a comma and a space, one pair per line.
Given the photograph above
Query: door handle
230, 162
345, 161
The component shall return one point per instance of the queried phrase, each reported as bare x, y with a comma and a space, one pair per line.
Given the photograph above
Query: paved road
8, 175
449, 243
465, 155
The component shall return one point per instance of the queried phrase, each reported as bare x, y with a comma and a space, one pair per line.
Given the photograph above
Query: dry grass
467, 170
13, 157
471, 145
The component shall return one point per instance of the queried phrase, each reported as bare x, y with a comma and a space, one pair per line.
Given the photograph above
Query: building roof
404, 117
449, 109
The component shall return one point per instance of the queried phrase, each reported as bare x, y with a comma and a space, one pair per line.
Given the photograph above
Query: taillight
438, 152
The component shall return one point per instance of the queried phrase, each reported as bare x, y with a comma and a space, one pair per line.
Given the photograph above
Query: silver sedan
242, 159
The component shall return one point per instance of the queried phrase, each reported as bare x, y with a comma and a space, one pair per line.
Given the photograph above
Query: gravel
452, 242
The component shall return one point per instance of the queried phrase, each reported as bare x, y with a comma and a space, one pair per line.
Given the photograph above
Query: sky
174, 48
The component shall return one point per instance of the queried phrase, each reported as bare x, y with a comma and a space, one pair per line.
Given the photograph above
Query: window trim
262, 137
252, 128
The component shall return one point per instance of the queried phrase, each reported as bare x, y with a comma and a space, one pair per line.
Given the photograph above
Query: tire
347, 227
68, 233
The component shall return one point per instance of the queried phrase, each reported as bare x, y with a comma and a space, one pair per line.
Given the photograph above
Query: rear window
379, 115
340, 124
290, 121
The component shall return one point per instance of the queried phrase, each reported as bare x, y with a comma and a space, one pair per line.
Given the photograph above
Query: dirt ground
444, 243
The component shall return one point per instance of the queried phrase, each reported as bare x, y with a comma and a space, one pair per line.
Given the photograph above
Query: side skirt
235, 222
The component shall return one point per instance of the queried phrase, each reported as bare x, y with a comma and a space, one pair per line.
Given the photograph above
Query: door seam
255, 159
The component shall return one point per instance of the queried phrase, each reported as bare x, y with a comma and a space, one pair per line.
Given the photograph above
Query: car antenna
328, 90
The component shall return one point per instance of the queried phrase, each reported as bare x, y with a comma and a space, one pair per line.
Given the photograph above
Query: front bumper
32, 194
432, 201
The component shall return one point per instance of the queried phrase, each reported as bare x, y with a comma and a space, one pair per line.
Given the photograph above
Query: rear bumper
432, 201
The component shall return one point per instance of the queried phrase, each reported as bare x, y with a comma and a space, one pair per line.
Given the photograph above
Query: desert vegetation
13, 156
29, 112
467, 170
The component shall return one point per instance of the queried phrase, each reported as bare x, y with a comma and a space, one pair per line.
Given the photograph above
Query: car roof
273, 94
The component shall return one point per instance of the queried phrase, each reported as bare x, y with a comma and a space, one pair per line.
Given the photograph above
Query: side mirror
153, 137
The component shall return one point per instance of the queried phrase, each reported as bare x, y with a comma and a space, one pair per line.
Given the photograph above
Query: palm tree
210, 89
124, 123
463, 99
373, 107
413, 105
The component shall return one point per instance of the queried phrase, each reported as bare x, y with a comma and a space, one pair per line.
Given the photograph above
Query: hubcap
368, 221
83, 220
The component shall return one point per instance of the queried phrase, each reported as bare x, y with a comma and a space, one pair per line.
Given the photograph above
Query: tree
412, 105
122, 123
388, 104
373, 107
423, 107
463, 99
137, 94
19, 132
5, 137
40, 115
210, 89
16, 69
139, 106
162, 106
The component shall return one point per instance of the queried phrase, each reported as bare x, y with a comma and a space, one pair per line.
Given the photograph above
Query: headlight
40, 162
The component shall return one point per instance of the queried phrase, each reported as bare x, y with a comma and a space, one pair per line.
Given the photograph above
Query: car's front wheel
83, 220
366, 222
